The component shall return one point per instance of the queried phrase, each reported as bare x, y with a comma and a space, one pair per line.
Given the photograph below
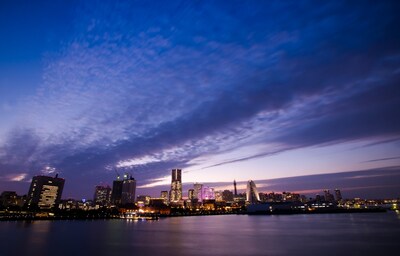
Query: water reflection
334, 234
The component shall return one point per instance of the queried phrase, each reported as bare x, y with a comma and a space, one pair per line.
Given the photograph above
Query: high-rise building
176, 186
218, 196
8, 198
227, 196
328, 196
128, 190
191, 195
198, 190
234, 187
116, 193
252, 195
207, 193
164, 196
102, 195
338, 195
45, 192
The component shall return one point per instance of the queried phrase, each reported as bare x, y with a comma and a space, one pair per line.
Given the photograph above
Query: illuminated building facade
218, 196
102, 195
176, 186
45, 192
198, 191
252, 195
191, 195
144, 198
164, 196
207, 193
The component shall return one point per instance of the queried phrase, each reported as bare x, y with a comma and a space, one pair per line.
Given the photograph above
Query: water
319, 234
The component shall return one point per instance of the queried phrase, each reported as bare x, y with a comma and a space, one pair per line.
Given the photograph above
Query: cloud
149, 94
14, 177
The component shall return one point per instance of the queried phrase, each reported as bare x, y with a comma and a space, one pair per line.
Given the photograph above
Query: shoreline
66, 218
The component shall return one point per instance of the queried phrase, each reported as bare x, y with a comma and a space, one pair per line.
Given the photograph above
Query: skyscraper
102, 195
191, 194
328, 196
227, 196
252, 195
207, 193
117, 191
338, 195
45, 192
198, 190
164, 196
128, 190
176, 186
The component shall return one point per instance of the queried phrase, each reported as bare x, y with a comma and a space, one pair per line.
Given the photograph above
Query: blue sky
224, 90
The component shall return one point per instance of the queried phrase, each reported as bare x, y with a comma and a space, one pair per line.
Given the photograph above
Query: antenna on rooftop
118, 176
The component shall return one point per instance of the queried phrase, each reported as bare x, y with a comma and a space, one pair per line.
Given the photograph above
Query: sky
260, 90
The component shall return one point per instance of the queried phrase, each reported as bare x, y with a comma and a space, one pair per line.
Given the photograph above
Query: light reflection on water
330, 234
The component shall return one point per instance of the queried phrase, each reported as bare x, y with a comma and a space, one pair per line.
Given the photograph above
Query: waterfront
328, 234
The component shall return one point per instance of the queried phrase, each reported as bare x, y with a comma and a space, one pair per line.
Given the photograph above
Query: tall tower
45, 192
234, 186
338, 195
128, 190
252, 195
328, 196
116, 193
176, 185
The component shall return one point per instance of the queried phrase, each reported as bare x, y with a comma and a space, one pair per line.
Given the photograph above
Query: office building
227, 196
164, 196
328, 196
144, 199
338, 195
45, 192
207, 193
252, 195
116, 194
128, 190
218, 196
191, 195
198, 188
176, 186
102, 195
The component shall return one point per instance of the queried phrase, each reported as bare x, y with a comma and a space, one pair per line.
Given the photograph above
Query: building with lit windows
164, 196
328, 196
338, 195
198, 189
227, 196
191, 195
45, 192
102, 195
207, 193
176, 186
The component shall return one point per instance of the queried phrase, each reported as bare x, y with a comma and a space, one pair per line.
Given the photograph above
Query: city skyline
308, 100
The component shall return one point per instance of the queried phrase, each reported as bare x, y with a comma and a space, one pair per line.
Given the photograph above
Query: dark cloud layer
191, 79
